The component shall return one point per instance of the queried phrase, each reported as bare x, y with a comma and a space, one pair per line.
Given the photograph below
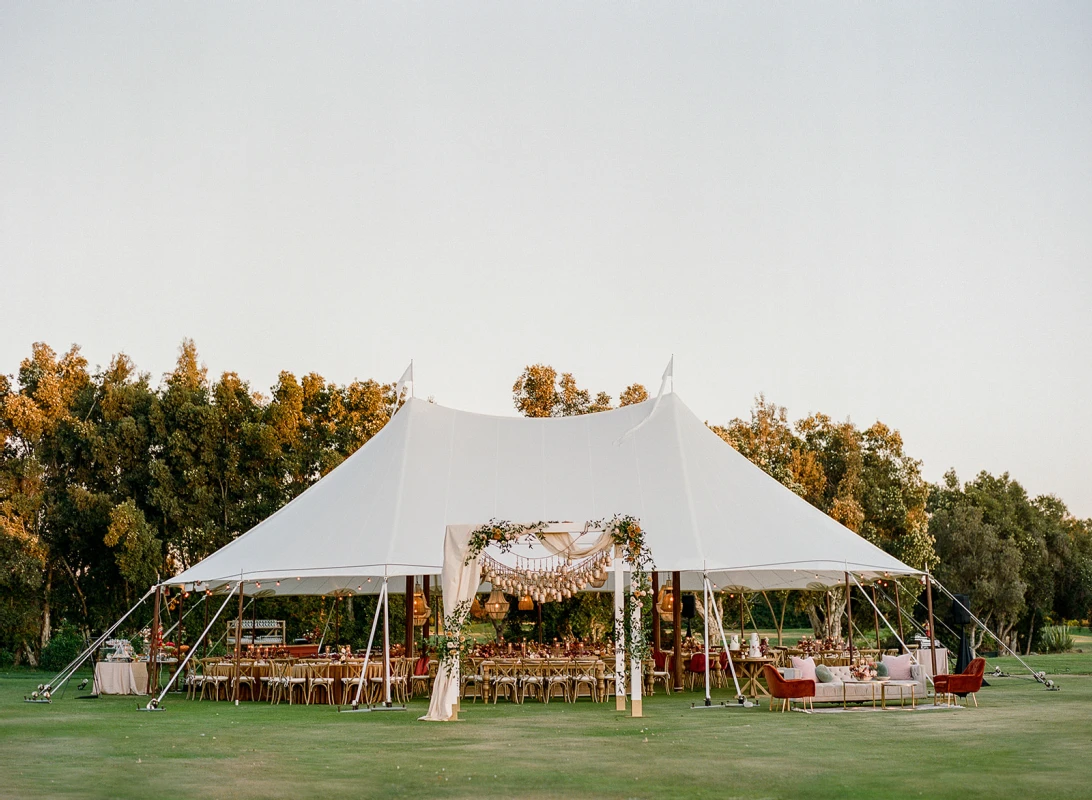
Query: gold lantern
476, 609
666, 602
497, 605
526, 603
421, 611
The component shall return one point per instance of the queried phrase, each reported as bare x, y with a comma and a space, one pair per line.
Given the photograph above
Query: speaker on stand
961, 617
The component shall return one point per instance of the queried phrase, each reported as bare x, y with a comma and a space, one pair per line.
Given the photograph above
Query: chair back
977, 668
420, 666
659, 658
697, 662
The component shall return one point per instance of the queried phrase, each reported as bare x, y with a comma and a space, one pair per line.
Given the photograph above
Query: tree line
108, 480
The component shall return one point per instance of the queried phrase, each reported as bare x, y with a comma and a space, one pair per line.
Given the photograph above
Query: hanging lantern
666, 602
526, 603
421, 610
476, 609
497, 605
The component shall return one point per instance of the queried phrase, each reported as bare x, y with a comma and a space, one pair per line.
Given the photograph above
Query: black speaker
961, 614
688, 608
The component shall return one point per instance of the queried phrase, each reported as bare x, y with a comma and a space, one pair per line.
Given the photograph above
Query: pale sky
877, 211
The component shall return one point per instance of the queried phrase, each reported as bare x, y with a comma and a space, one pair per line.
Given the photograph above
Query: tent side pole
724, 641
386, 646
368, 652
409, 616
153, 704
875, 616
238, 642
153, 651
898, 610
655, 611
676, 622
849, 614
76, 663
705, 634
619, 633
932, 629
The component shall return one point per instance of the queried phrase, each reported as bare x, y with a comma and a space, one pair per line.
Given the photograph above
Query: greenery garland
453, 647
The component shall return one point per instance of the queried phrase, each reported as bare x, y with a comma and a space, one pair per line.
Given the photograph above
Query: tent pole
676, 622
206, 640
876, 617
70, 670
849, 615
635, 647
741, 624
238, 639
153, 705
898, 610
705, 633
367, 653
153, 651
655, 611
619, 633
386, 646
409, 616
932, 630
425, 589
724, 642
830, 629
254, 625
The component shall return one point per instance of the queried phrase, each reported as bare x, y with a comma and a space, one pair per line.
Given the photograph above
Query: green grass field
1022, 741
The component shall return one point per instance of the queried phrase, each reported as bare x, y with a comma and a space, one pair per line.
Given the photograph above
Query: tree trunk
47, 629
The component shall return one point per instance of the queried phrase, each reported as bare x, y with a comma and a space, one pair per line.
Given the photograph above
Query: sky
876, 211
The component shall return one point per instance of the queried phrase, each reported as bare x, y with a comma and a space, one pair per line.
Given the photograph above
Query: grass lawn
1023, 741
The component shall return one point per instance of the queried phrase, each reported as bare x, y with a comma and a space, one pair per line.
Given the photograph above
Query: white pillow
898, 667
806, 666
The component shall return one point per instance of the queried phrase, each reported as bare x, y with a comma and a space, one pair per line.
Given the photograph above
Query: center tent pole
619, 633
153, 650
705, 634
386, 646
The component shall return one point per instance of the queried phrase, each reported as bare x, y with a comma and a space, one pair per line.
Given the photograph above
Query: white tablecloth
121, 677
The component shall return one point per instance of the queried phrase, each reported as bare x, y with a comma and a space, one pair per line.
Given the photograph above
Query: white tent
384, 511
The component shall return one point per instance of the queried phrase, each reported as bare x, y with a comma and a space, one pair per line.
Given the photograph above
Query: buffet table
121, 677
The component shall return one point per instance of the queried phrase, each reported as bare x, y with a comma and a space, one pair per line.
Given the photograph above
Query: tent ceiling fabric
384, 510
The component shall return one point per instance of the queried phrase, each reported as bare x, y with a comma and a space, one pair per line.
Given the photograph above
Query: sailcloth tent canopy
385, 509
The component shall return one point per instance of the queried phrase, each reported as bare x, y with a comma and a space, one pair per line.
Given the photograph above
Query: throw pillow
898, 667
882, 671
823, 674
806, 667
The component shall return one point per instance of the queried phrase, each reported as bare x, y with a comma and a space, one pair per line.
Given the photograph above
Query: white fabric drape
459, 582
568, 544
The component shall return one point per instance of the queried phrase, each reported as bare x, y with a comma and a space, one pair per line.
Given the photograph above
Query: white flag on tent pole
669, 374
407, 377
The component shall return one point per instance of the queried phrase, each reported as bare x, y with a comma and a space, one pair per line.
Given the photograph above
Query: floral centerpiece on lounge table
863, 671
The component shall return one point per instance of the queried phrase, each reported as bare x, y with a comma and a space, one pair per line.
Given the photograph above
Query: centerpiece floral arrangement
863, 671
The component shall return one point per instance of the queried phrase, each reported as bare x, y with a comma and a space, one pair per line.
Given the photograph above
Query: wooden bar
676, 622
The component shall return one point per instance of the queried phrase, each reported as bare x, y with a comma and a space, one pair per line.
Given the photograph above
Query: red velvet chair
967, 682
695, 669
786, 690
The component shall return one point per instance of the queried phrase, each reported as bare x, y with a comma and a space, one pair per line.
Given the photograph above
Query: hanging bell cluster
546, 580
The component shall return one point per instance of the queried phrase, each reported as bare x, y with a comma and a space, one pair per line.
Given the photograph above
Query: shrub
1056, 639
64, 646
7, 658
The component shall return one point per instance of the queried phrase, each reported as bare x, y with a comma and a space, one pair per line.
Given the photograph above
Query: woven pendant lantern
526, 603
666, 601
421, 611
497, 605
476, 609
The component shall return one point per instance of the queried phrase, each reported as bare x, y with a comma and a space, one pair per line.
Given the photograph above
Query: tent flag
383, 512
